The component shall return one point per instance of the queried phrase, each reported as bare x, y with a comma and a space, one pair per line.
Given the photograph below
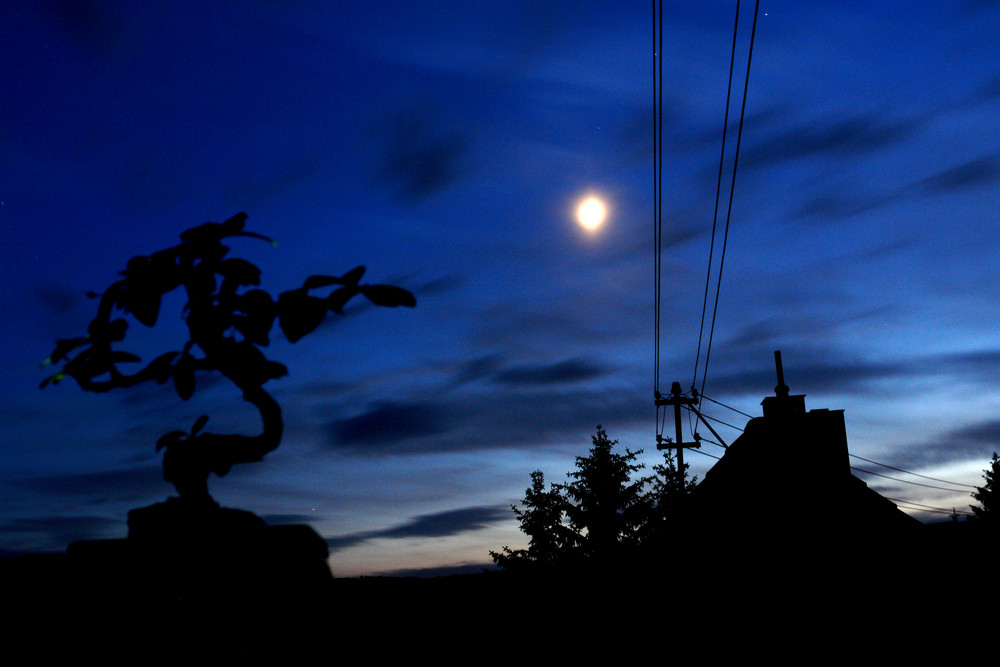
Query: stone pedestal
200, 557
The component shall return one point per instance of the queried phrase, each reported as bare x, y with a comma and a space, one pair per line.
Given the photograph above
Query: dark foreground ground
791, 606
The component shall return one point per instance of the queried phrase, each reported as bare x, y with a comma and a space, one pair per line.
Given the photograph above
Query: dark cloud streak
56, 532
389, 422
421, 159
972, 441
438, 524
981, 171
562, 372
119, 484
848, 137
813, 370
510, 417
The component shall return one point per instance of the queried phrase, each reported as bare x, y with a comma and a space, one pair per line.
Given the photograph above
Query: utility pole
677, 400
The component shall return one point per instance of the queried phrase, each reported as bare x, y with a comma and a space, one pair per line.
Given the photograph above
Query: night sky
445, 145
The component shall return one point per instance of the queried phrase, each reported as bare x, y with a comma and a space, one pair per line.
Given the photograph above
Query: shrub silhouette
227, 325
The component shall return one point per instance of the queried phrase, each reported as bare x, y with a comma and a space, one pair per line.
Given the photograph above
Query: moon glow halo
591, 213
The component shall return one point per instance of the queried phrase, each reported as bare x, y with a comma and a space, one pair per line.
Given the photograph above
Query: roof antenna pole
782, 389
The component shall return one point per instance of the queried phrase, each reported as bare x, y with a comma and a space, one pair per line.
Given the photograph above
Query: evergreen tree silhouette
988, 495
606, 507
604, 516
550, 539
668, 494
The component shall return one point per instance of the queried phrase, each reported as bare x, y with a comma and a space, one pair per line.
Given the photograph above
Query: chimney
781, 404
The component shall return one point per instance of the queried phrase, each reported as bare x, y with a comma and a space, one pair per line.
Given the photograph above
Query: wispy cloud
54, 532
507, 417
978, 437
978, 172
561, 372
90, 25
286, 519
832, 206
972, 441
825, 369
56, 299
813, 376
438, 524
989, 91
845, 137
122, 484
420, 157
390, 422
477, 369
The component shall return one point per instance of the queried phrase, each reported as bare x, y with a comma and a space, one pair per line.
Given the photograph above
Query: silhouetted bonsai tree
988, 495
550, 539
227, 325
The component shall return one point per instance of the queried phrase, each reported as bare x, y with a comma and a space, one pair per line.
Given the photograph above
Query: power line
732, 187
711, 442
719, 421
727, 407
718, 192
657, 182
904, 481
933, 479
930, 507
711, 456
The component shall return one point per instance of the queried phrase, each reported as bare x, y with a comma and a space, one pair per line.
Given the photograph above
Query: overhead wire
915, 474
718, 193
728, 407
657, 14
657, 198
719, 421
657, 10
657, 179
931, 507
905, 481
711, 456
702, 438
732, 187
657, 20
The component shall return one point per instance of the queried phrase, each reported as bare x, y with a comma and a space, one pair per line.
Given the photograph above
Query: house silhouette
783, 497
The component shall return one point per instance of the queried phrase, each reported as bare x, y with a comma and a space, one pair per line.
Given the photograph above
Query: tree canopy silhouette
550, 540
606, 506
603, 515
227, 326
988, 495
666, 501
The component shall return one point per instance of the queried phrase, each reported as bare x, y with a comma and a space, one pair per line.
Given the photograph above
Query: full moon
591, 213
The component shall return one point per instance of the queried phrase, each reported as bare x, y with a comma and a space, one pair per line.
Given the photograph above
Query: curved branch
236, 448
187, 463
212, 312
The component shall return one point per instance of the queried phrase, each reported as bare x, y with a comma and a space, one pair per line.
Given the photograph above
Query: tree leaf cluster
229, 319
227, 323
605, 513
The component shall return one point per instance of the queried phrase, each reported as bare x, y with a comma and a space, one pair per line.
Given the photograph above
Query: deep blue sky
444, 145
